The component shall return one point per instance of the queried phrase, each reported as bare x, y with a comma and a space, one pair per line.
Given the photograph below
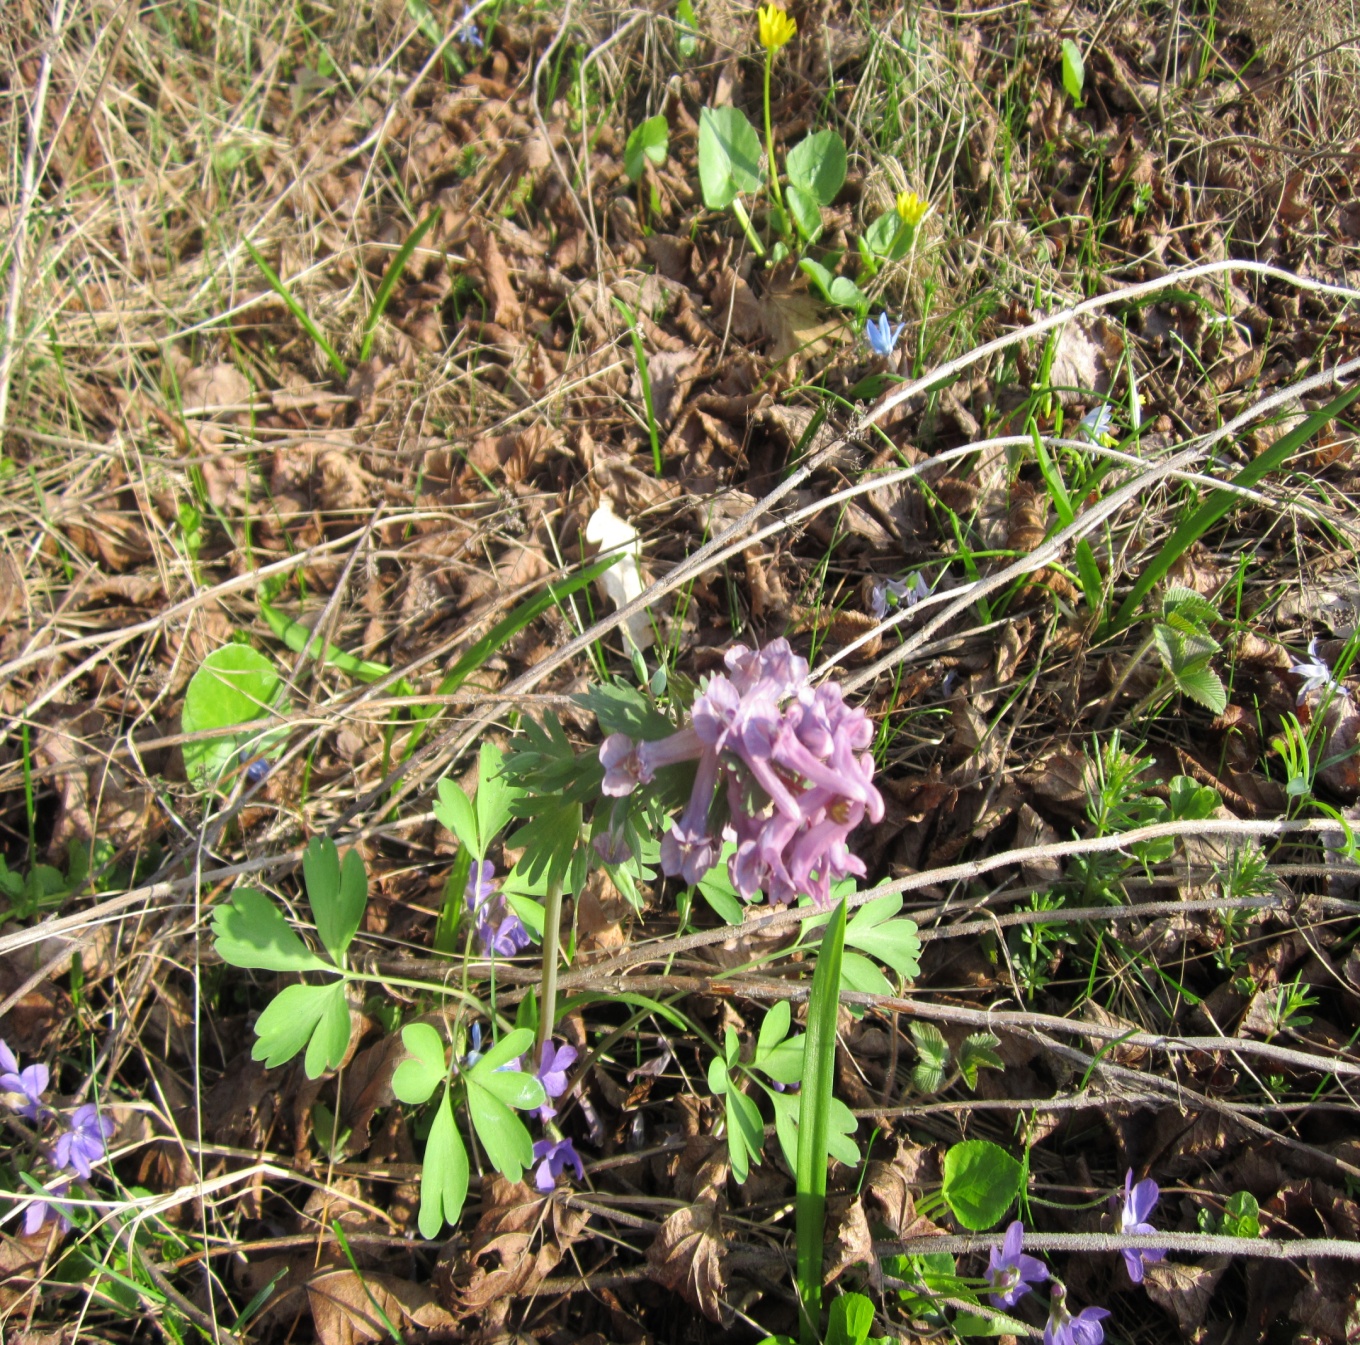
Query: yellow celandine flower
776, 28
910, 208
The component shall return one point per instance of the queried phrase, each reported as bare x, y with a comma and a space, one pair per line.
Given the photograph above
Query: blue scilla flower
881, 335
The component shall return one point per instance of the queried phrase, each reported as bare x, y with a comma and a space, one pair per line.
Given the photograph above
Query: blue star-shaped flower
881, 335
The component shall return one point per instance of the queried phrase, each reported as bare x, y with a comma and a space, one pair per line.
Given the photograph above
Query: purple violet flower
36, 1215
1012, 1274
1138, 1203
903, 593
1065, 1329
9, 1062
556, 1154
552, 1074
31, 1082
83, 1144
796, 767
500, 931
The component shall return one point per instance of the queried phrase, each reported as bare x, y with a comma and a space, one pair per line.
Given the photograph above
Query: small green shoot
1073, 71
389, 281
235, 692
338, 366
649, 140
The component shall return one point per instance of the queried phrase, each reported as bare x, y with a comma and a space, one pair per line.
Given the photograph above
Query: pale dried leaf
348, 1308
687, 1254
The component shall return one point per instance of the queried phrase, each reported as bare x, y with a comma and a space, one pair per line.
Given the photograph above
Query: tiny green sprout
1073, 71
234, 700
649, 140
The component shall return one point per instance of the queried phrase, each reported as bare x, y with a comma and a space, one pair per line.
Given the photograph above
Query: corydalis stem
552, 921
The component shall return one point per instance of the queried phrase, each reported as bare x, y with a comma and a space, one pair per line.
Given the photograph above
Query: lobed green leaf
250, 931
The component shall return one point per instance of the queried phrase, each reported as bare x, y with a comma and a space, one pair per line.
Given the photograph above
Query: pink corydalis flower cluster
797, 768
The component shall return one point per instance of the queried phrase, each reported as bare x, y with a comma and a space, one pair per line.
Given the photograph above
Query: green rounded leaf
1073, 70
980, 1181
416, 1078
444, 1177
510, 1046
729, 156
250, 931
235, 688
816, 165
807, 214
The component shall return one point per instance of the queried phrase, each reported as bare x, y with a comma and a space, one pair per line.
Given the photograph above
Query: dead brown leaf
348, 1308
687, 1255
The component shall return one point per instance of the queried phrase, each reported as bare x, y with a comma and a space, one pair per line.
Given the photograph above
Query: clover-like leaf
850, 1320
250, 931
887, 237
235, 694
444, 1176
507, 1143
495, 795
299, 1015
337, 893
729, 156
416, 1078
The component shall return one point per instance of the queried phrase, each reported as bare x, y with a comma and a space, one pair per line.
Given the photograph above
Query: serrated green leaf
729, 156
234, 688
1189, 605
980, 1181
453, 809
250, 931
816, 165
293, 1017
416, 1078
507, 1143
1205, 687
977, 1052
330, 1037
933, 1052
648, 140
444, 1176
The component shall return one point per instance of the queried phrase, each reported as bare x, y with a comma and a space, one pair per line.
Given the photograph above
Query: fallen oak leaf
687, 1254
348, 1308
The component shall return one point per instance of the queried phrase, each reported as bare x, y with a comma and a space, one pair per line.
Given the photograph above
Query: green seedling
932, 1073
338, 366
645, 379
1073, 71
252, 932
491, 1088
647, 141
686, 30
234, 694
389, 281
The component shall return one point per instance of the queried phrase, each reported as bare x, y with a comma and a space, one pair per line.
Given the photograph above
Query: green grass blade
813, 1122
1220, 502
500, 633
390, 278
644, 378
300, 313
299, 638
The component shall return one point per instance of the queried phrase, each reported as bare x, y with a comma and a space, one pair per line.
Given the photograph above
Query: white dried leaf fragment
622, 582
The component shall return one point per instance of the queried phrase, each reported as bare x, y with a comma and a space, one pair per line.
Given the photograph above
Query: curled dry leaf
849, 1240
687, 1255
348, 1308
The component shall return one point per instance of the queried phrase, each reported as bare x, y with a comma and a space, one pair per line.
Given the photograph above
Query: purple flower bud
1065, 1329
1012, 1274
555, 1156
1137, 1205
83, 1145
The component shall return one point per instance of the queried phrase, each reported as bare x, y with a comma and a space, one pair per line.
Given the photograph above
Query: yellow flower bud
776, 28
910, 208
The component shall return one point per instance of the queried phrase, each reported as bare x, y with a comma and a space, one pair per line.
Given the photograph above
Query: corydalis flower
903, 592
1012, 1274
1138, 1203
555, 1156
882, 335
797, 772
83, 1145
1317, 676
1065, 1329
499, 930
776, 28
552, 1074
